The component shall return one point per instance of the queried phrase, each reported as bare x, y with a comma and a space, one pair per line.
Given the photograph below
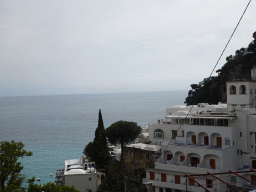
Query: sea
57, 127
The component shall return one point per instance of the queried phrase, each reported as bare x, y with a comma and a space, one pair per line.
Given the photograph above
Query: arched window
227, 142
242, 89
158, 133
232, 89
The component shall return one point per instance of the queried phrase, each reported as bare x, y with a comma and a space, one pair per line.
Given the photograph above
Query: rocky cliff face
237, 68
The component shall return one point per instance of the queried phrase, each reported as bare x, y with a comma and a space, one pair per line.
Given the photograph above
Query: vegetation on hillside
212, 90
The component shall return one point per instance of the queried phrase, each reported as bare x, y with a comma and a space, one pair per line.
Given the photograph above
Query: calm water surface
56, 128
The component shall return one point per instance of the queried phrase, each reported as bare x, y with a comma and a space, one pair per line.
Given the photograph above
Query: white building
206, 138
81, 174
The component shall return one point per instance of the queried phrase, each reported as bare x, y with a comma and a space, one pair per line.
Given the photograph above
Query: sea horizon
57, 127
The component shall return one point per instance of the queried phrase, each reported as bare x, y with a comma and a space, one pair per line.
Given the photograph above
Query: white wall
166, 128
81, 181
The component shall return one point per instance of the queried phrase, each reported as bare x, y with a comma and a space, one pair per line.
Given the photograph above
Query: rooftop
147, 147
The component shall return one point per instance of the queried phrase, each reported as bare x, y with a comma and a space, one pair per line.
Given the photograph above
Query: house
81, 174
205, 139
140, 155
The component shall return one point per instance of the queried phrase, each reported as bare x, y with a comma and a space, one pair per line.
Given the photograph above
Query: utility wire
211, 72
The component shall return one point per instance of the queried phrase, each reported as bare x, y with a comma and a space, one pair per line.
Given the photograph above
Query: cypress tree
97, 150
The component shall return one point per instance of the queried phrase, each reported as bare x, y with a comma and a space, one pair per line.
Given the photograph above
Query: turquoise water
56, 128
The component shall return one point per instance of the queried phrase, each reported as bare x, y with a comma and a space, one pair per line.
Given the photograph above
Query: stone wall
137, 158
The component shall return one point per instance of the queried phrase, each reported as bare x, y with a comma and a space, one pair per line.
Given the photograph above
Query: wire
212, 71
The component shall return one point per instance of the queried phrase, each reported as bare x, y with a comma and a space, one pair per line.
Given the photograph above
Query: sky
80, 46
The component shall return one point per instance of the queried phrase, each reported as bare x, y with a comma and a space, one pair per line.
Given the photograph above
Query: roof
75, 167
146, 147
145, 134
77, 172
73, 162
212, 117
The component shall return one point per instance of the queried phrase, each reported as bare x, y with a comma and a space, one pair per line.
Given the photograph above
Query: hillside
237, 67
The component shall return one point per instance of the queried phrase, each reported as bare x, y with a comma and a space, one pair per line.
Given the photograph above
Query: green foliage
89, 151
10, 168
123, 133
48, 187
213, 90
118, 181
97, 150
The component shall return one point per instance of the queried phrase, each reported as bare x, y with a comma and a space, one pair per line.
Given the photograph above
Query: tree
213, 90
97, 150
10, 168
123, 133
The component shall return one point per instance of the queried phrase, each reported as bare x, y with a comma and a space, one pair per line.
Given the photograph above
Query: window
191, 182
251, 91
177, 179
233, 180
254, 164
232, 90
147, 156
90, 179
227, 142
206, 140
169, 157
152, 175
174, 134
253, 178
163, 177
242, 89
219, 142
161, 190
208, 183
240, 134
182, 158
225, 122
212, 163
159, 133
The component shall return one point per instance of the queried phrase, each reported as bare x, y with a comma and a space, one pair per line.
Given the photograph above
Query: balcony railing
186, 168
181, 186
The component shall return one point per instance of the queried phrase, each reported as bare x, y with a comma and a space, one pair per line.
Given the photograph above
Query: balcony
180, 146
146, 181
181, 186
185, 169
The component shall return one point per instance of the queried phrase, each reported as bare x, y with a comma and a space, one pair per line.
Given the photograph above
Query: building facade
206, 139
80, 174
141, 156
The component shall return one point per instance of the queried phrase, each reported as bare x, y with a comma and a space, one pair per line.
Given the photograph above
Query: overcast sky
90, 46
